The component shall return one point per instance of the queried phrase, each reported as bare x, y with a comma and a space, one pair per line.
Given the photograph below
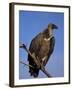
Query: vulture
41, 47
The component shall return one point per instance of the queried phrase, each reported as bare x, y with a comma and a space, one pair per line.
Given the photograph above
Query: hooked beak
54, 26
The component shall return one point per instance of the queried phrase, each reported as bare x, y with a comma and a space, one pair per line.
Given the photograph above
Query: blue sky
30, 24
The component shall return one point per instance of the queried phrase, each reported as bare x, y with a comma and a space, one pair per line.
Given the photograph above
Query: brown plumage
42, 47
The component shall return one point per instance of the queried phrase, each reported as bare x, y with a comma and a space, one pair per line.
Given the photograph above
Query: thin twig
26, 64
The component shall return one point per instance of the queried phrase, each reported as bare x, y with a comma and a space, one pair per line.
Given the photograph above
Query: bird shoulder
48, 39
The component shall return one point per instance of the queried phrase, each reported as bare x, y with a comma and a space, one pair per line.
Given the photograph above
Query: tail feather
34, 71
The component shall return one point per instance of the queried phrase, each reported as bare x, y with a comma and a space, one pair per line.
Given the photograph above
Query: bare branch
39, 65
26, 64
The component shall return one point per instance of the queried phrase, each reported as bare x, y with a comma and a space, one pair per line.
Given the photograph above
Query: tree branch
26, 64
39, 65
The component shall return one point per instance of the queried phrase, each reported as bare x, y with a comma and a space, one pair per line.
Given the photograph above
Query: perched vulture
42, 47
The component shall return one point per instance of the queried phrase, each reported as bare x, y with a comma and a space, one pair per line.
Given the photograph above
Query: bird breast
44, 49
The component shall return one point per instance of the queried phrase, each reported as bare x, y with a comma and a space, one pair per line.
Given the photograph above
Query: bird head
52, 26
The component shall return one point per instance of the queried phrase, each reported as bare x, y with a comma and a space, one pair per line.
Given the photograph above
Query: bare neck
48, 33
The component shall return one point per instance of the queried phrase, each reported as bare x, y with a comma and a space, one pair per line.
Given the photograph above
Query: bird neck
48, 33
